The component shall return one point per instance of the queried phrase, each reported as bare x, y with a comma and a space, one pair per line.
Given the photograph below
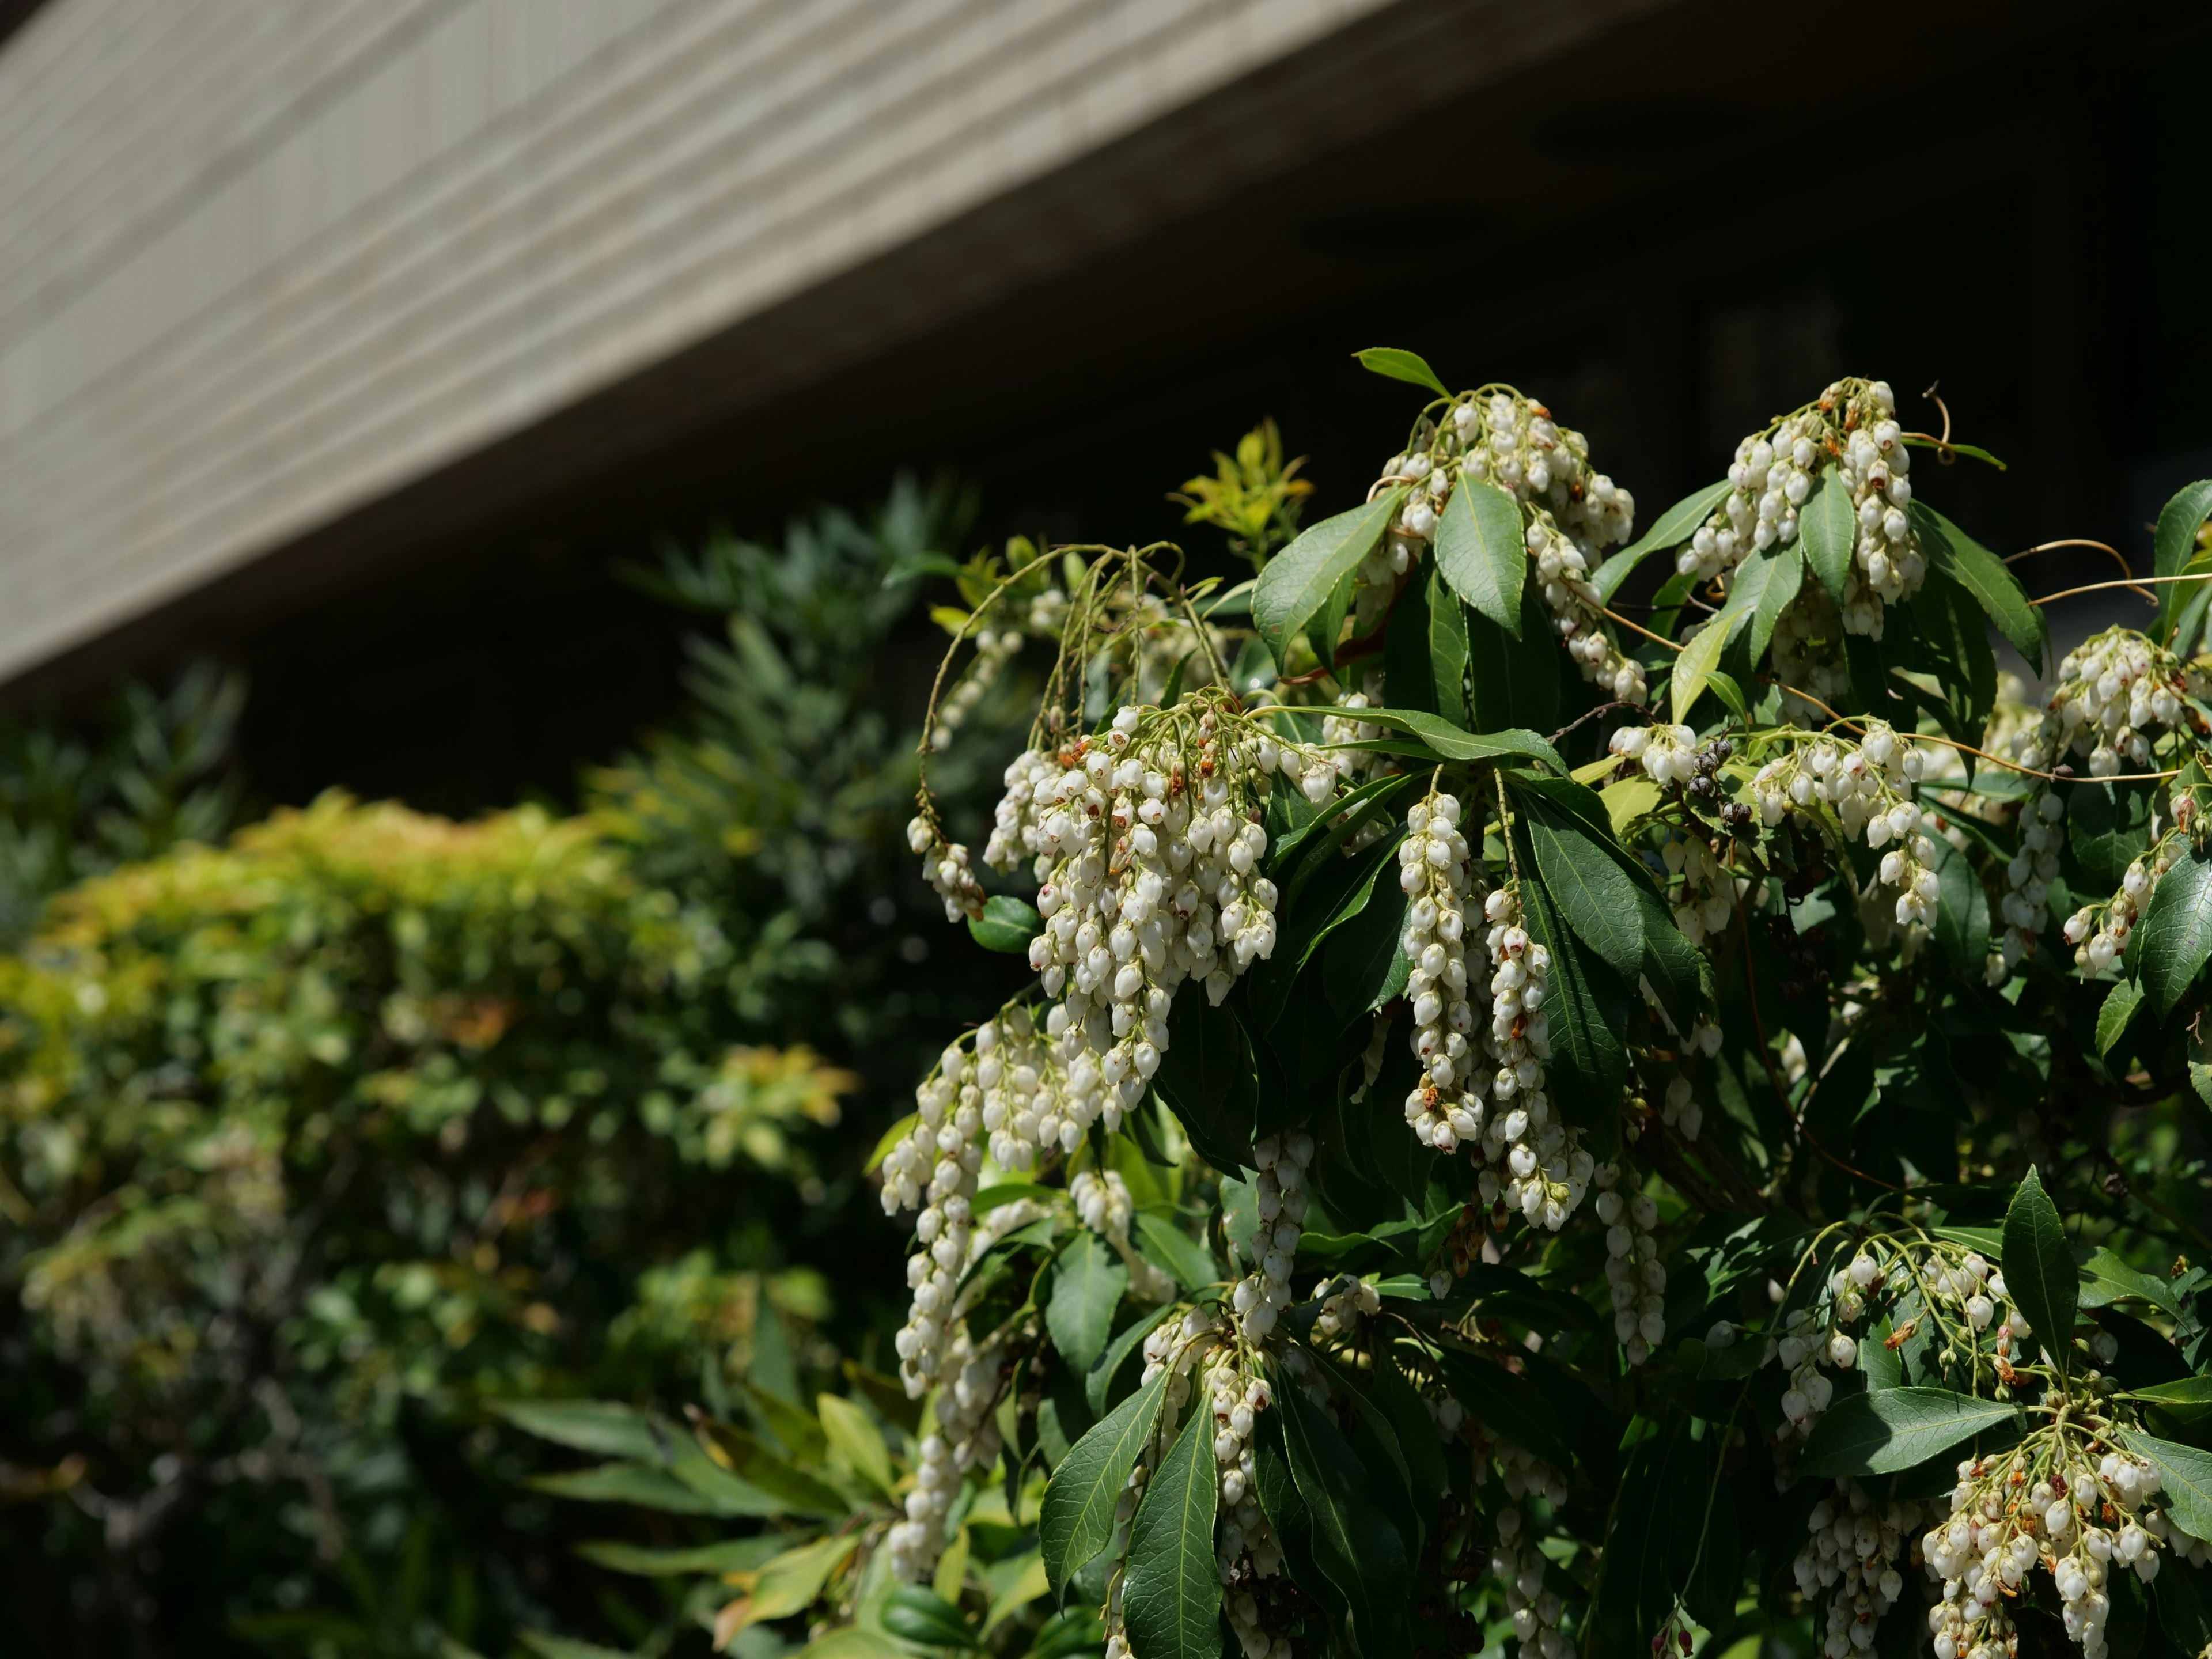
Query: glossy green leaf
1077, 1519
1482, 551
1962, 912
1588, 1006
1325, 631
1828, 531
592, 1425
1299, 580
1363, 966
1887, 1430
1785, 575
1591, 889
2173, 545
1354, 1545
1206, 1078
1395, 363
854, 1439
1699, 659
1425, 650
1669, 529
2185, 1483
2038, 1267
2188, 1400
2180, 1594
1097, 1384
1981, 573
1171, 1595
2176, 937
727, 1555
1188, 1262
2108, 827
1439, 740
1088, 1283
2105, 1277
789, 1582
1007, 925
2119, 1007
1512, 683
915, 1614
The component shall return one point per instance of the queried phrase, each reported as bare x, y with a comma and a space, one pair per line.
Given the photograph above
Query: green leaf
1828, 529
2174, 545
754, 1471
1354, 1545
729, 1555
789, 1582
1395, 363
1512, 683
1167, 1245
1785, 575
1669, 529
1171, 1596
1971, 452
2178, 1594
2185, 1480
2039, 1269
592, 1425
1327, 628
1363, 966
1481, 550
1425, 650
2104, 1279
1699, 658
1439, 740
1077, 1519
1962, 912
1981, 573
650, 1486
1589, 1009
547, 1645
1087, 1286
921, 1616
854, 1436
1887, 1430
1299, 580
2107, 826
1207, 1079
2176, 932
1006, 926
2189, 1400
1589, 887
1100, 1380
2119, 1007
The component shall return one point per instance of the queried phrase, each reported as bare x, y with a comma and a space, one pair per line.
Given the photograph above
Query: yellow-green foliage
366, 1105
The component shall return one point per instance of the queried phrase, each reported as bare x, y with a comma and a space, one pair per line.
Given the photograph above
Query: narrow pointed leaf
1887, 1430
1439, 740
1590, 888
1396, 363
2039, 1268
854, 1436
1981, 573
2177, 931
1171, 1598
1076, 1520
1828, 529
2120, 1005
1355, 1545
2185, 1484
2174, 544
1482, 551
592, 1425
1669, 529
1101, 1376
1087, 1286
1426, 650
1298, 580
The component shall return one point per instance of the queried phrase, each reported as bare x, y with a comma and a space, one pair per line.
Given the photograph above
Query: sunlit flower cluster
1280, 1196
1438, 873
1868, 785
1635, 1277
1531, 1158
1851, 1560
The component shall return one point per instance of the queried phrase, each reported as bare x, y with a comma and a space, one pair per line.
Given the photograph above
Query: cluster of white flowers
1174, 1348
1535, 1611
967, 1438
2100, 933
2114, 691
1705, 903
1852, 1556
1678, 1105
1438, 873
1870, 784
1887, 566
1997, 1532
1571, 511
1633, 1272
994, 649
1280, 1195
1245, 1545
945, 867
1769, 480
1104, 1205
935, 1167
1147, 845
1810, 1340
1357, 764
1546, 1172
1667, 754
2027, 880
1343, 1299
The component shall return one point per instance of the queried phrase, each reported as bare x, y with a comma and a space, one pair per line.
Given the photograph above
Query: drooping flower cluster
945, 867
1769, 480
1104, 1204
1634, 1275
1807, 651
1437, 874
967, 1438
1851, 1559
1869, 786
1343, 1299
2027, 879
1535, 1610
994, 649
1245, 1546
1571, 513
1279, 1193
1530, 1158
2083, 1511
1177, 1348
